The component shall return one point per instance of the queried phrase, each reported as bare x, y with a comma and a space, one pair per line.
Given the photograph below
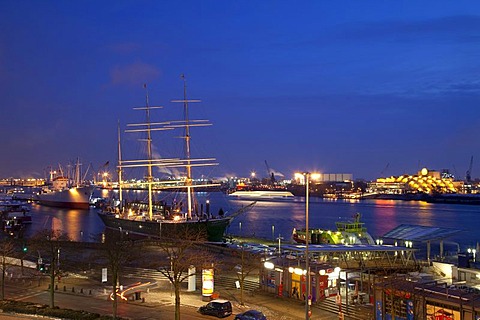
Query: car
251, 315
219, 308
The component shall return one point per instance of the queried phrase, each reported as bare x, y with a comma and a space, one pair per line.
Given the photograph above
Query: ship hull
262, 194
73, 198
213, 228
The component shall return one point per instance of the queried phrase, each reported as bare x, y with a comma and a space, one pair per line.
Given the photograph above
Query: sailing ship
154, 218
348, 232
66, 192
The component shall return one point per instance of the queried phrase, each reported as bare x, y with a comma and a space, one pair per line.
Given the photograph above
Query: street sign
104, 274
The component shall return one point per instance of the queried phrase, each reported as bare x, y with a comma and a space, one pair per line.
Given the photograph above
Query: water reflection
280, 217
385, 216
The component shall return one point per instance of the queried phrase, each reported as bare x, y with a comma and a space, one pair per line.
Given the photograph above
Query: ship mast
189, 162
149, 176
188, 181
120, 177
149, 162
77, 173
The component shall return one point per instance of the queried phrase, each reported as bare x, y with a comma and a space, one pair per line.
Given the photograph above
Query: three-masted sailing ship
157, 219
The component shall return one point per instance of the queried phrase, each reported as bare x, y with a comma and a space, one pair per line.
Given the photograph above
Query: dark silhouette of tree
183, 251
118, 249
245, 263
7, 249
48, 244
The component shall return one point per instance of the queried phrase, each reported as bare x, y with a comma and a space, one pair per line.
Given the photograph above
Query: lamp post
279, 238
473, 252
307, 240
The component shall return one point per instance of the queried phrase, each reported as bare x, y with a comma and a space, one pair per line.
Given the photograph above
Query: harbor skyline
369, 88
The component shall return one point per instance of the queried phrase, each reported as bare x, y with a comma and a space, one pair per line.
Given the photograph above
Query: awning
419, 233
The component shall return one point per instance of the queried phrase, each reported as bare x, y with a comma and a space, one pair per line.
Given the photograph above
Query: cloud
133, 74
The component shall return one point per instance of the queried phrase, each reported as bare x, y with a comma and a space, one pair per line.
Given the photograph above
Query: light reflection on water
268, 219
380, 216
79, 225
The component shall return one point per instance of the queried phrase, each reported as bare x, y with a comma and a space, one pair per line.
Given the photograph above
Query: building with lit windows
423, 183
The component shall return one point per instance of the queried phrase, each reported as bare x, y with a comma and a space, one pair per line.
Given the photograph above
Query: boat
9, 206
348, 232
262, 194
153, 218
261, 191
15, 215
65, 192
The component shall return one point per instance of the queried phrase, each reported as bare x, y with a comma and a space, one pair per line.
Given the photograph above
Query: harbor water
270, 219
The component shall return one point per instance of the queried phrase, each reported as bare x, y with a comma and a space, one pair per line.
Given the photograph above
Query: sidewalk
162, 296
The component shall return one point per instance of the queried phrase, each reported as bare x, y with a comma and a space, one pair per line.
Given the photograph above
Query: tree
183, 252
245, 263
48, 244
7, 248
118, 249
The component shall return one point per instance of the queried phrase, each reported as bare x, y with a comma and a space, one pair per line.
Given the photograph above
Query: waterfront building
410, 296
20, 182
424, 182
346, 270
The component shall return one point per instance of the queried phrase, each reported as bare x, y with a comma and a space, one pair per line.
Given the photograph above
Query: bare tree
7, 248
118, 249
182, 252
48, 244
245, 263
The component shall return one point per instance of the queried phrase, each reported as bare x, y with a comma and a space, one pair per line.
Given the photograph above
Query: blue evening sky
360, 87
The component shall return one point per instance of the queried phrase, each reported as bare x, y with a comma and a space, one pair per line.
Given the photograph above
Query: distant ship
348, 232
154, 219
262, 194
65, 192
270, 190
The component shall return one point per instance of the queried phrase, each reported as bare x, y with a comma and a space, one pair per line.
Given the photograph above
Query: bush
44, 310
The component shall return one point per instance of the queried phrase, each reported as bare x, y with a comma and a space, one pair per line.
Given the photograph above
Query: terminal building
424, 182
380, 281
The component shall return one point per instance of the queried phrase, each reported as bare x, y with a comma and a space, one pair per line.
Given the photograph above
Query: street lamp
279, 244
307, 240
472, 251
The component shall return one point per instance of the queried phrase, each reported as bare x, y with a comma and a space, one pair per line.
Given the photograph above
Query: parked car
251, 315
218, 307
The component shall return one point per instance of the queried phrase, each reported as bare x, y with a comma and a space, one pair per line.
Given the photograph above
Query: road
25, 292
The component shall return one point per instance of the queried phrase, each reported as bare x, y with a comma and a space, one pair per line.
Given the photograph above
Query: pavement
160, 296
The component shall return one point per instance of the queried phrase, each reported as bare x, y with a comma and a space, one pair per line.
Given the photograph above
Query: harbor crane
384, 169
468, 174
270, 173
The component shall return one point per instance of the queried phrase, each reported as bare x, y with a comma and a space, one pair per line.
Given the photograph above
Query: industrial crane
270, 173
384, 169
